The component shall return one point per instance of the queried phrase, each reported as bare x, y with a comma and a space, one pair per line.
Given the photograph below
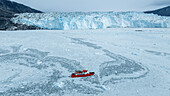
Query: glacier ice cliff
92, 20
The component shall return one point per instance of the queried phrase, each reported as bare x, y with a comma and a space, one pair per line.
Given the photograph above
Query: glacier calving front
92, 20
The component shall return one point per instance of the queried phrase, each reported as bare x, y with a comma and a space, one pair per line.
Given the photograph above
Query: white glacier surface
126, 62
92, 20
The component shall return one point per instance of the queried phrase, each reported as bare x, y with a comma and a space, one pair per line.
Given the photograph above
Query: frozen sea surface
126, 62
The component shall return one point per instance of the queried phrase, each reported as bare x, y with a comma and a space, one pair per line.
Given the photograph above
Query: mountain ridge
162, 11
7, 11
16, 7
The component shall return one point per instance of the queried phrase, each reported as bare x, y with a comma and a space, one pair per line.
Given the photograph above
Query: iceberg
92, 20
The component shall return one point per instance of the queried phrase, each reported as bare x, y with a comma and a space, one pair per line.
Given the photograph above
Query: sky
94, 5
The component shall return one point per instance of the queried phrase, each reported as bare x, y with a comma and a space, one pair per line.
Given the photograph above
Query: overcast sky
94, 5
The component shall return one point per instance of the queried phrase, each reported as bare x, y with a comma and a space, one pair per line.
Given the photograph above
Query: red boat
83, 73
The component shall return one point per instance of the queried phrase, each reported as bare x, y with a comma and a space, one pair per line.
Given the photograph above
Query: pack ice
92, 20
126, 62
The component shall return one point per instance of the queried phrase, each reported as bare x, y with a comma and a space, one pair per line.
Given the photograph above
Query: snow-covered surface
126, 62
93, 20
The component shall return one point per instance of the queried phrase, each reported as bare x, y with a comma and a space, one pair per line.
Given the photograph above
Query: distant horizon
54, 7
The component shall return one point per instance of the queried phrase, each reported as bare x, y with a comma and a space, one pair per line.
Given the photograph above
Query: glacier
92, 20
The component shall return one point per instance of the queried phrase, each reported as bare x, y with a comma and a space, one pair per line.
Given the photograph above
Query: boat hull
82, 75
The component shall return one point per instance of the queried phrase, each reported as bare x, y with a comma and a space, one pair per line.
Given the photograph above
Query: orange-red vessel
83, 73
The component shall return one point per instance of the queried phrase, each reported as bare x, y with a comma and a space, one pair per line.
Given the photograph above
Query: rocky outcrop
7, 11
16, 7
162, 12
